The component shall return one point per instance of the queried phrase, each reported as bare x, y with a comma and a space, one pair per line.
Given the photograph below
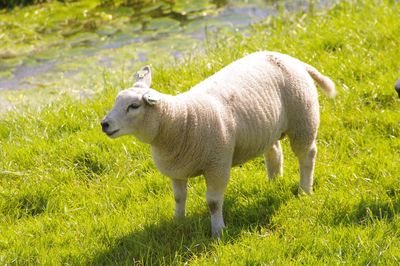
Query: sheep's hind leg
306, 164
274, 161
216, 180
180, 191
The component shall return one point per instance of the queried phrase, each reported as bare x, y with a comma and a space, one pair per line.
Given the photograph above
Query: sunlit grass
70, 195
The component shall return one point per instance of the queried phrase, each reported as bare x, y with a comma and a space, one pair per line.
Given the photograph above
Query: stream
159, 32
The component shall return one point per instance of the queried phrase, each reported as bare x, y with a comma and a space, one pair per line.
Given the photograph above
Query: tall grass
70, 195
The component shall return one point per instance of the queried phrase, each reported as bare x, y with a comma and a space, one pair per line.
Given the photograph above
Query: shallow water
156, 33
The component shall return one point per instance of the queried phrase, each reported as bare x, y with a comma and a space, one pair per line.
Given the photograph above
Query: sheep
397, 87
235, 115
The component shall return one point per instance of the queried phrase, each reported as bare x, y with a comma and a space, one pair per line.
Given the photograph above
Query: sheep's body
237, 114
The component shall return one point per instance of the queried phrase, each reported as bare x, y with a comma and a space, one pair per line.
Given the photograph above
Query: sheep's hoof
217, 233
303, 191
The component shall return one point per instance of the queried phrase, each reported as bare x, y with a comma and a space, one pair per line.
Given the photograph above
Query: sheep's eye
132, 106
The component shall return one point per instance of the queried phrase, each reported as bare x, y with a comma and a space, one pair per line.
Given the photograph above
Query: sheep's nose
104, 125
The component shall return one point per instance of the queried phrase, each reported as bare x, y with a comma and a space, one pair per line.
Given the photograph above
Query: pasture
71, 195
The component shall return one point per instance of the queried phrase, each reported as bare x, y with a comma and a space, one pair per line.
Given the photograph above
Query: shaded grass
14, 3
70, 195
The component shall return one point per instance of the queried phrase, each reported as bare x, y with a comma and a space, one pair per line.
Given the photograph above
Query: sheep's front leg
216, 184
180, 191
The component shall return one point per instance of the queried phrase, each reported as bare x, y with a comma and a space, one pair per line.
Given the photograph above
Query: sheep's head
133, 112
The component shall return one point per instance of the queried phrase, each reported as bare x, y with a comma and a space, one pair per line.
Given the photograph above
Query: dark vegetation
14, 3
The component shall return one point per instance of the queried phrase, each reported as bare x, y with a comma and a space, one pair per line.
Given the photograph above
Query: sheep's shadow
170, 240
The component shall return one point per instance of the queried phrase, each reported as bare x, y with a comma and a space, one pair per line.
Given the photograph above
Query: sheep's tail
327, 85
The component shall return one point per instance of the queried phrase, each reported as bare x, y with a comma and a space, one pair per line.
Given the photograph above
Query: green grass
70, 195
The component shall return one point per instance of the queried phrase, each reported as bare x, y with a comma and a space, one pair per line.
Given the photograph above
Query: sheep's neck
174, 151
175, 120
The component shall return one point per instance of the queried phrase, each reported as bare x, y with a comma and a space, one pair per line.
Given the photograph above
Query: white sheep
237, 114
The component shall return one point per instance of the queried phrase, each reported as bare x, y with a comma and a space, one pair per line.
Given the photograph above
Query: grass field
70, 195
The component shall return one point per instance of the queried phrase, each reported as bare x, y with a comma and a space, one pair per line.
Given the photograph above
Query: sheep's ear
151, 98
143, 77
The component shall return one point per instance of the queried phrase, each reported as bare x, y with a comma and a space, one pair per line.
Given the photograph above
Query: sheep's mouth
112, 132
